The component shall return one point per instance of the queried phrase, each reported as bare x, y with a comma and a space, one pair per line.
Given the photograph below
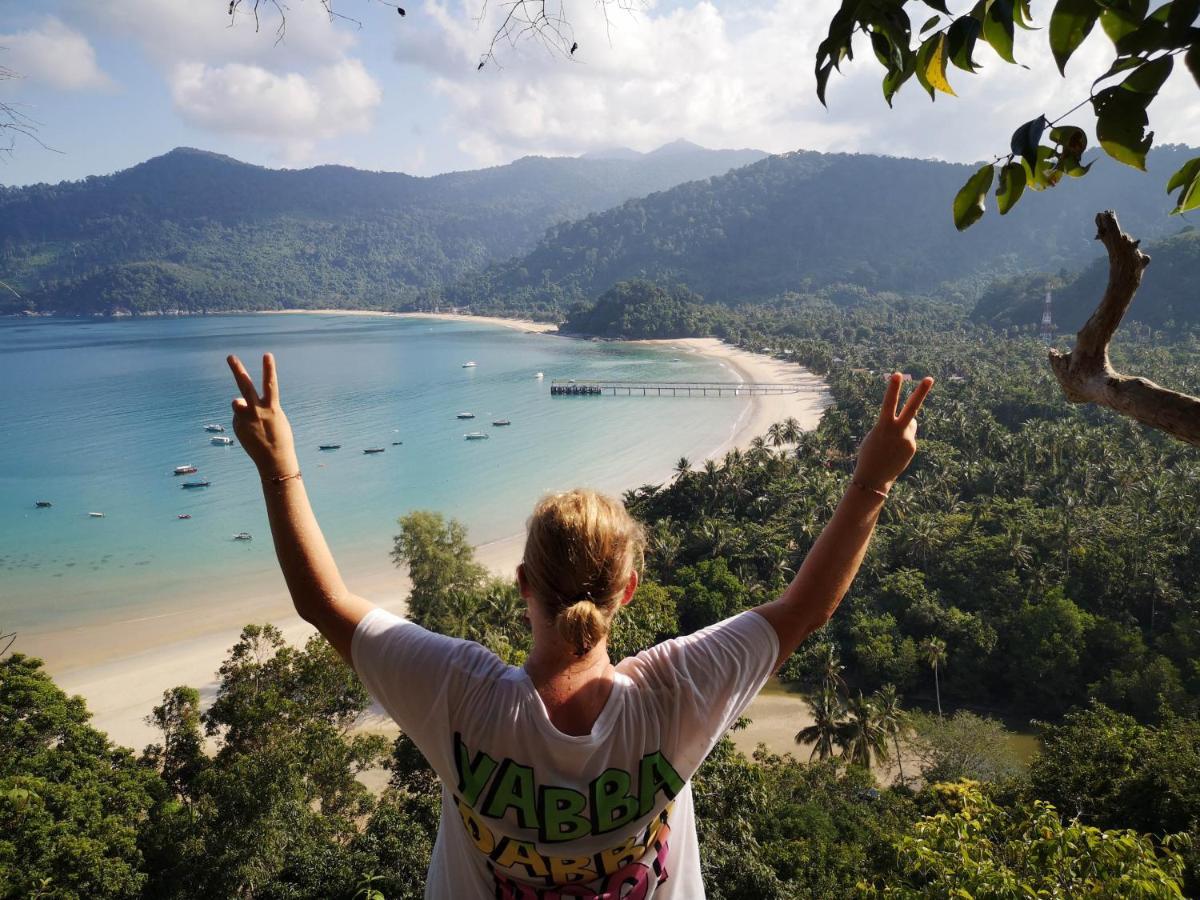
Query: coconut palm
829, 667
792, 430
862, 736
934, 651
893, 719
827, 724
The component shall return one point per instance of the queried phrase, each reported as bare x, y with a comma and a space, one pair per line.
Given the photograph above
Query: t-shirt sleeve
420, 678
710, 677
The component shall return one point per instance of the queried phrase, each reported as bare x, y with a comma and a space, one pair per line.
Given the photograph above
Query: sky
115, 82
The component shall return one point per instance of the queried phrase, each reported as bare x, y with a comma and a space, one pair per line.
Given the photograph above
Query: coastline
528, 325
122, 667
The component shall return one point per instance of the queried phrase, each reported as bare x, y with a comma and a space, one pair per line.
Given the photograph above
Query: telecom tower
1047, 321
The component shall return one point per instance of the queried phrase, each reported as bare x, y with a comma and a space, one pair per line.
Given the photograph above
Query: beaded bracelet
882, 495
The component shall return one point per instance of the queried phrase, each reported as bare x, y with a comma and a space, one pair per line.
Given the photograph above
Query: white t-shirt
530, 813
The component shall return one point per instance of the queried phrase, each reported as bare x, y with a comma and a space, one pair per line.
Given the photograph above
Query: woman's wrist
280, 469
873, 489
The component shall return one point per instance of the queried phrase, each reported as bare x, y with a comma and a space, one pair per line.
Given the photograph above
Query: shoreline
121, 667
527, 325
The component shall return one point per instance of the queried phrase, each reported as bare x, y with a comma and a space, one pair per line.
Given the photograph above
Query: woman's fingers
913, 406
239, 405
244, 382
270, 380
891, 398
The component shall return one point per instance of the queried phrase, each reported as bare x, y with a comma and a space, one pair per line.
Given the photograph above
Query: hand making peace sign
259, 422
890, 446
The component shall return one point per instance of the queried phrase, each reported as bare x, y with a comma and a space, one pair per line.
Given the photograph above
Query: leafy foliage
641, 309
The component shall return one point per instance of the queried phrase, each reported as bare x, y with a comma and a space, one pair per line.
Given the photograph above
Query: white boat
540, 375
96, 515
215, 429
475, 436
243, 536
189, 469
465, 415
222, 442
502, 422
469, 365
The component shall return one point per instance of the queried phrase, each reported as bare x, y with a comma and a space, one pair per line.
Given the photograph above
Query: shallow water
97, 414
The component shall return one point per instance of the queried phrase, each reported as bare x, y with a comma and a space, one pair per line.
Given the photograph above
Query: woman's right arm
312, 576
831, 564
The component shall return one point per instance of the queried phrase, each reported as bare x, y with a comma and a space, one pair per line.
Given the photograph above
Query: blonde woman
568, 777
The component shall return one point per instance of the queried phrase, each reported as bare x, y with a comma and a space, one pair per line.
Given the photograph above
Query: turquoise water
97, 414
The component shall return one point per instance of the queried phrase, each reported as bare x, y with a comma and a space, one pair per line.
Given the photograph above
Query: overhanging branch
1086, 375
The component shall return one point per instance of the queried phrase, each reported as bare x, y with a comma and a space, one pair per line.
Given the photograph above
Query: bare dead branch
14, 122
1086, 375
545, 22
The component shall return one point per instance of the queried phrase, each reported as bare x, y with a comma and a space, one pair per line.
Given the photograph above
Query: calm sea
97, 413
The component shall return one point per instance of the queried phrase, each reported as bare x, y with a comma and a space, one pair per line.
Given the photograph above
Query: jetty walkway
668, 388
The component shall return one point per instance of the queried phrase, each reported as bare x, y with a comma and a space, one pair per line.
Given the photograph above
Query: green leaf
1121, 123
939, 5
1072, 140
935, 64
1070, 23
896, 77
1123, 18
998, 28
1189, 196
1192, 60
1189, 171
1149, 77
970, 202
1044, 173
1071, 165
933, 20
1180, 17
1023, 17
1025, 140
1011, 186
1120, 64
960, 42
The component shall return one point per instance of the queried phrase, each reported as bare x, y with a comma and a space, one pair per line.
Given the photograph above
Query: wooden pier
668, 388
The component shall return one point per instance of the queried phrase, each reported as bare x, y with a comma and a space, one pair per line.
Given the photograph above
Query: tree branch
1086, 375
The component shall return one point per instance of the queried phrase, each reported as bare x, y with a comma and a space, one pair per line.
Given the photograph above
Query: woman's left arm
318, 592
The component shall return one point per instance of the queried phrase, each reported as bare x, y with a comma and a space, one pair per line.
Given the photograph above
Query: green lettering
473, 774
513, 787
612, 803
561, 820
657, 774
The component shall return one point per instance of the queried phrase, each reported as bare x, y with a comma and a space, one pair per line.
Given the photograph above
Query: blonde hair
581, 548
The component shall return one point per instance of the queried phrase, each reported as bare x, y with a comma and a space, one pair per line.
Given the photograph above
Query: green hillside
1169, 295
805, 220
327, 236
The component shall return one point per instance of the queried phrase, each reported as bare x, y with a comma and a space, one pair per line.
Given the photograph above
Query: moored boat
374, 450
214, 428
243, 536
465, 415
499, 422
42, 504
540, 375
196, 484
185, 470
330, 447
397, 443
184, 516
475, 436
469, 365
222, 442
96, 515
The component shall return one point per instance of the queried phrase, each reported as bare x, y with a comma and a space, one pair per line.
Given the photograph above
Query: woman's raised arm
833, 561
312, 576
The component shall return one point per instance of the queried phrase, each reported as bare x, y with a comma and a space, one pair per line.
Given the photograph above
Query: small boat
222, 442
475, 436
540, 375
42, 504
465, 415
469, 365
215, 429
186, 470
196, 484
330, 447
499, 422
243, 536
184, 516
96, 515
374, 450
397, 443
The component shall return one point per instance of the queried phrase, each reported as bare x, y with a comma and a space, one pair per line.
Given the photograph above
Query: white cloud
737, 75
56, 55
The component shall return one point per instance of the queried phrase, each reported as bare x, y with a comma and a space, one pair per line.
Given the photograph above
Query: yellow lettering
519, 853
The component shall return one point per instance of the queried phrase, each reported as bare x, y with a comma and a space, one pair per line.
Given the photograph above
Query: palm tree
893, 719
862, 737
934, 651
827, 724
830, 667
775, 435
682, 468
792, 430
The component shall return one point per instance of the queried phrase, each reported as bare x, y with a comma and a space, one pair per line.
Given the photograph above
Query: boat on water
186, 470
499, 422
374, 450
95, 515
540, 375
397, 443
469, 365
475, 436
330, 447
243, 536
465, 415
196, 484
222, 442
214, 428
42, 504
184, 516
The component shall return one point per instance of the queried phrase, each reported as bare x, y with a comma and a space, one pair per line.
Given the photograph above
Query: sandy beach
517, 324
122, 667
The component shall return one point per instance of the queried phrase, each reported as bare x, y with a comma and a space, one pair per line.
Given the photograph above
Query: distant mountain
1169, 295
803, 221
193, 230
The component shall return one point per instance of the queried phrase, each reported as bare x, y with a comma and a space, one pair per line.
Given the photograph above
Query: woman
568, 777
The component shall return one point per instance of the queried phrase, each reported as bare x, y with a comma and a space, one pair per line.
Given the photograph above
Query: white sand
518, 324
123, 667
